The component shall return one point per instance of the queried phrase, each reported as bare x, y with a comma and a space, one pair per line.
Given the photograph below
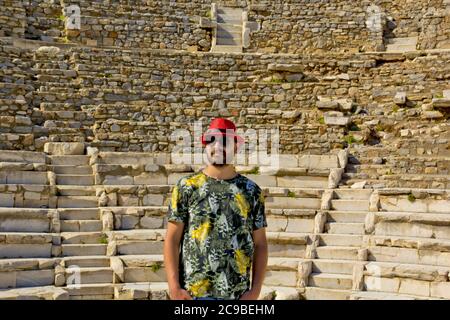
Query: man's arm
260, 257
171, 259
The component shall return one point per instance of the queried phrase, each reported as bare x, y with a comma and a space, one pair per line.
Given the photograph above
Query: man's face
220, 150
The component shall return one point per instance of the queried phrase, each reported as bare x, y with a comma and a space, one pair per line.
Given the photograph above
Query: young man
217, 217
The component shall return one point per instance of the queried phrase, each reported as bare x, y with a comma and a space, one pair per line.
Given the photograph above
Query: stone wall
12, 18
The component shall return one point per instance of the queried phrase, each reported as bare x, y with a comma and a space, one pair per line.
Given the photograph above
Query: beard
220, 161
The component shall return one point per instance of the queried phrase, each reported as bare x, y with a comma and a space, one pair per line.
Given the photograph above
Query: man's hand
179, 294
250, 295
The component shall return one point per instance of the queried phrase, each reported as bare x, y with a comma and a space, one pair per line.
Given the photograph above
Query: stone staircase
228, 34
104, 239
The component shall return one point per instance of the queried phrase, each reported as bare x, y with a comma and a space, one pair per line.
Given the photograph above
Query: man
217, 217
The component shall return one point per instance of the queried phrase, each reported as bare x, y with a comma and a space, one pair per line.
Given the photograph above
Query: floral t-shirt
217, 247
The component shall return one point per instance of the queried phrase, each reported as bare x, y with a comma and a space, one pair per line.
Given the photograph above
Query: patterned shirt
217, 247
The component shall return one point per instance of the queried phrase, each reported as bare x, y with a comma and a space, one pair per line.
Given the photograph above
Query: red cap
223, 127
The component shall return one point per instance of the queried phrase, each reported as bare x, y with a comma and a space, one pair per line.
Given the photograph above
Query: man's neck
220, 172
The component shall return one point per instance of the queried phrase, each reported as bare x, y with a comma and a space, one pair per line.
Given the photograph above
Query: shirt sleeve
259, 218
177, 210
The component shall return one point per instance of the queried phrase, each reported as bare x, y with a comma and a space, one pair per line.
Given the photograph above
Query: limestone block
319, 222
335, 177
400, 98
117, 180
343, 157
414, 287
358, 277
285, 67
300, 225
107, 218
25, 250
381, 284
129, 222
34, 278
441, 102
6, 200
118, 269
280, 278
64, 148
440, 289
374, 202
326, 200
153, 200
153, 178
128, 200
328, 105
318, 161
152, 222
304, 270
26, 177
336, 120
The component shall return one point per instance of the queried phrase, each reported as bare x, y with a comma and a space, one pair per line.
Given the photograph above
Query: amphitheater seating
357, 209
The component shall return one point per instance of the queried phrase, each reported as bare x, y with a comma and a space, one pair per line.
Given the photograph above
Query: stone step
292, 203
224, 33
345, 228
353, 194
350, 205
79, 180
402, 41
37, 293
346, 216
231, 28
227, 49
72, 170
344, 240
154, 273
71, 190
229, 19
379, 295
25, 250
334, 266
314, 293
81, 226
90, 275
79, 214
76, 160
224, 41
330, 281
83, 237
279, 293
83, 249
142, 291
24, 219
90, 290
87, 261
77, 202
26, 278
337, 253
400, 48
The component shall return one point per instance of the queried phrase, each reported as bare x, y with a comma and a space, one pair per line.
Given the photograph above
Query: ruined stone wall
44, 20
12, 18
140, 24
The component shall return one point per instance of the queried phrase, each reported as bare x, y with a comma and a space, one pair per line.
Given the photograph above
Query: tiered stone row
92, 227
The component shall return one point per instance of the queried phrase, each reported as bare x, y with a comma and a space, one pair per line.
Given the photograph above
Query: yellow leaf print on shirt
242, 261
262, 198
174, 199
200, 287
201, 232
197, 180
242, 204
